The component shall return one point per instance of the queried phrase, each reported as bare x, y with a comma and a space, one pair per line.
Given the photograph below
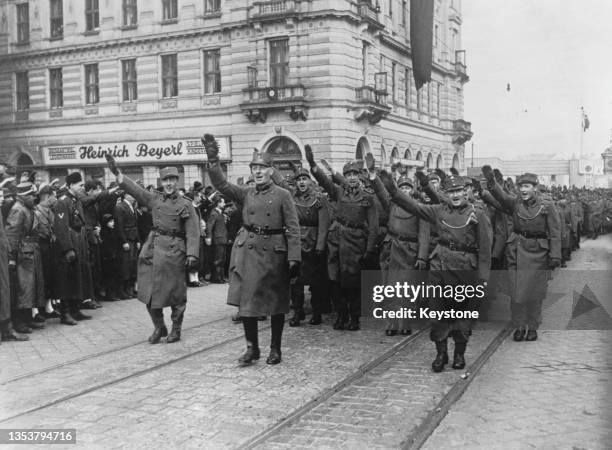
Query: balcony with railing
258, 101
369, 13
275, 10
462, 131
460, 66
371, 104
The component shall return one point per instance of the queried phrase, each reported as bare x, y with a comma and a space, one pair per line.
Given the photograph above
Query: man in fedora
173, 245
266, 253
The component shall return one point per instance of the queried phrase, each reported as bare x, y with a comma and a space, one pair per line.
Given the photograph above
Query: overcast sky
557, 56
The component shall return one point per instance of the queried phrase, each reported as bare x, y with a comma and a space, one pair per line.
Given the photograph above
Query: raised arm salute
266, 253
172, 245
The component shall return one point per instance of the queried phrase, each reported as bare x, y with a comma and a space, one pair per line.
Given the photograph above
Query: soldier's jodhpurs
251, 333
527, 314
297, 297
457, 329
347, 301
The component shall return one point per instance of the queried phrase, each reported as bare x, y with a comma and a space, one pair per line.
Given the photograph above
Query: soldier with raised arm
266, 253
172, 245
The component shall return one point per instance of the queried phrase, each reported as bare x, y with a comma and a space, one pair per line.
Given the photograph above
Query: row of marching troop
320, 228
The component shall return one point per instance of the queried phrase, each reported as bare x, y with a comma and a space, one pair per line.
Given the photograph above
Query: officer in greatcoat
73, 277
266, 253
351, 240
532, 250
462, 257
173, 245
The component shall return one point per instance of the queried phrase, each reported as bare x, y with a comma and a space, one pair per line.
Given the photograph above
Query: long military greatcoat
174, 236
73, 280
353, 232
529, 256
5, 287
259, 264
22, 233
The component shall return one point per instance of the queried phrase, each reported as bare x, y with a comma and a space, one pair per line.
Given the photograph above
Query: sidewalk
555, 392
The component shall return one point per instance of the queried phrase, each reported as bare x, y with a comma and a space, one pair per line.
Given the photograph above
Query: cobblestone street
332, 390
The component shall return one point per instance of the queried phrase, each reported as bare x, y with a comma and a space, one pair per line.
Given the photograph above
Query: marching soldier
266, 253
73, 278
172, 245
313, 216
462, 257
351, 239
533, 248
405, 248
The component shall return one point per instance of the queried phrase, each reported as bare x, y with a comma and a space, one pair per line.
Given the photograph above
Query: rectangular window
22, 89
212, 6
57, 18
212, 71
92, 93
56, 88
170, 9
429, 99
169, 76
364, 63
23, 23
438, 100
92, 15
436, 36
128, 71
404, 14
130, 13
391, 8
279, 62
393, 82
408, 86
420, 100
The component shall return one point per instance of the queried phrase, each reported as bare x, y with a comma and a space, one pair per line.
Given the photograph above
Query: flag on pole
585, 122
421, 39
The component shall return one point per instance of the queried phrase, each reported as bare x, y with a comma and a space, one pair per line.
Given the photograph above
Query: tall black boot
177, 322
160, 331
250, 333
458, 359
65, 313
441, 357
278, 322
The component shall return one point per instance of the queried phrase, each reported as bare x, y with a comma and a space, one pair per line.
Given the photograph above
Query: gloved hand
212, 147
112, 164
309, 155
70, 256
441, 174
388, 182
422, 178
327, 165
370, 161
476, 186
126, 247
498, 177
294, 269
12, 264
554, 263
191, 263
487, 171
420, 264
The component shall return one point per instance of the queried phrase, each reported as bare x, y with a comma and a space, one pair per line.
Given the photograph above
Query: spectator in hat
25, 260
73, 277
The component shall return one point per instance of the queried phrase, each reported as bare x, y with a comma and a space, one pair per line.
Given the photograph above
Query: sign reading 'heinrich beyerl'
159, 152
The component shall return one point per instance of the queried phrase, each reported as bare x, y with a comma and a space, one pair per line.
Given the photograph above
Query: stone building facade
146, 79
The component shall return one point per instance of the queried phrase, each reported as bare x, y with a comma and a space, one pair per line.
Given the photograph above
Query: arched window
283, 148
456, 162
394, 153
408, 154
439, 162
362, 148
419, 156
429, 161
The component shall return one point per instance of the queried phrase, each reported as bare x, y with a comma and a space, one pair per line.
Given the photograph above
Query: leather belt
402, 238
457, 247
529, 235
263, 231
348, 224
171, 233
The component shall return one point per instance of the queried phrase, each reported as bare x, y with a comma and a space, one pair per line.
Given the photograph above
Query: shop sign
136, 152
